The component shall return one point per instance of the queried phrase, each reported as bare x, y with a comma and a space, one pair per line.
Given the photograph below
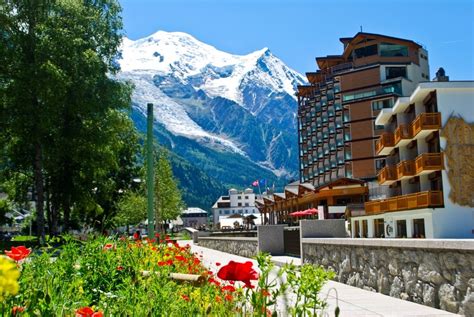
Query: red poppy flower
119, 268
265, 293
235, 271
229, 288
214, 281
167, 237
228, 297
185, 297
18, 253
17, 309
218, 264
108, 246
180, 258
218, 299
196, 261
88, 312
136, 236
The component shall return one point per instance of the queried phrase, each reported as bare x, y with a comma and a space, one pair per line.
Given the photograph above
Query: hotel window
419, 228
356, 229
366, 51
390, 50
382, 104
365, 229
378, 228
379, 164
239, 197
394, 72
401, 228
239, 204
246, 197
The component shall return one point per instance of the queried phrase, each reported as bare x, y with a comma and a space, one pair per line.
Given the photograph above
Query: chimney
441, 75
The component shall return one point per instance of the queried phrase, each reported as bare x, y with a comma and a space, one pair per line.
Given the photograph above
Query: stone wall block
429, 295
383, 284
447, 300
409, 279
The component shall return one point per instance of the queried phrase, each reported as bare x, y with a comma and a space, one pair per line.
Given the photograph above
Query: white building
236, 202
194, 217
429, 147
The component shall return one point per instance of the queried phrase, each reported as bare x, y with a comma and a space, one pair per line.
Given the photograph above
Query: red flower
136, 236
214, 281
196, 261
265, 293
185, 297
218, 299
108, 246
180, 258
235, 271
229, 288
18, 253
228, 297
119, 268
87, 312
17, 309
161, 263
218, 264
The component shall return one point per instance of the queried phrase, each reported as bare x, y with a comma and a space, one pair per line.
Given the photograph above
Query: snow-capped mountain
242, 105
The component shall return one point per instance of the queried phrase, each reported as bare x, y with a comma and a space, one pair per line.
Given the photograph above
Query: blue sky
299, 30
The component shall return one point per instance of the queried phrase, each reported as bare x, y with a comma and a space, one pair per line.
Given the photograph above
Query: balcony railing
386, 140
387, 174
423, 164
403, 132
428, 199
423, 122
405, 169
426, 121
428, 162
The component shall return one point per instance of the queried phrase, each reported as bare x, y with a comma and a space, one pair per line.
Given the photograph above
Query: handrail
405, 202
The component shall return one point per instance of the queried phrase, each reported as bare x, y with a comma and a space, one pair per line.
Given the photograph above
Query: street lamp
150, 173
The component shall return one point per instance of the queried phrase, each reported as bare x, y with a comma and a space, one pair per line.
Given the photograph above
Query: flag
255, 183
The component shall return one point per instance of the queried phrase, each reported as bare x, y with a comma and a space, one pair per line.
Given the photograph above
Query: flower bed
143, 278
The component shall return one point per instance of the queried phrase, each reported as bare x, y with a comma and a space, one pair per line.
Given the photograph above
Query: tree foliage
168, 201
63, 113
131, 208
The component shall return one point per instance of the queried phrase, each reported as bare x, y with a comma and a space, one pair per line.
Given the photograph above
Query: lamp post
150, 172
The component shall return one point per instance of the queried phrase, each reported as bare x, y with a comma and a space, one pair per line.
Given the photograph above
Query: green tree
61, 108
168, 201
131, 209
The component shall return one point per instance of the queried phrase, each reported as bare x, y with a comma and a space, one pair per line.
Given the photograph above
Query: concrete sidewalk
352, 301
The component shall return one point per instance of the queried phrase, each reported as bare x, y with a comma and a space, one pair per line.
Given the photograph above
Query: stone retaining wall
246, 247
436, 273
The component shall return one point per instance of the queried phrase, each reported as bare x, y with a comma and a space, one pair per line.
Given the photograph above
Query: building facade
237, 202
194, 217
428, 145
337, 110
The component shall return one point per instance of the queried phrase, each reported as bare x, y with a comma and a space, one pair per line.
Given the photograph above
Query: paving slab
352, 301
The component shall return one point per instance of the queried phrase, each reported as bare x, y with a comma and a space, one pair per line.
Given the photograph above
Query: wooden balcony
403, 134
387, 175
424, 164
385, 143
425, 123
428, 199
406, 169
429, 162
